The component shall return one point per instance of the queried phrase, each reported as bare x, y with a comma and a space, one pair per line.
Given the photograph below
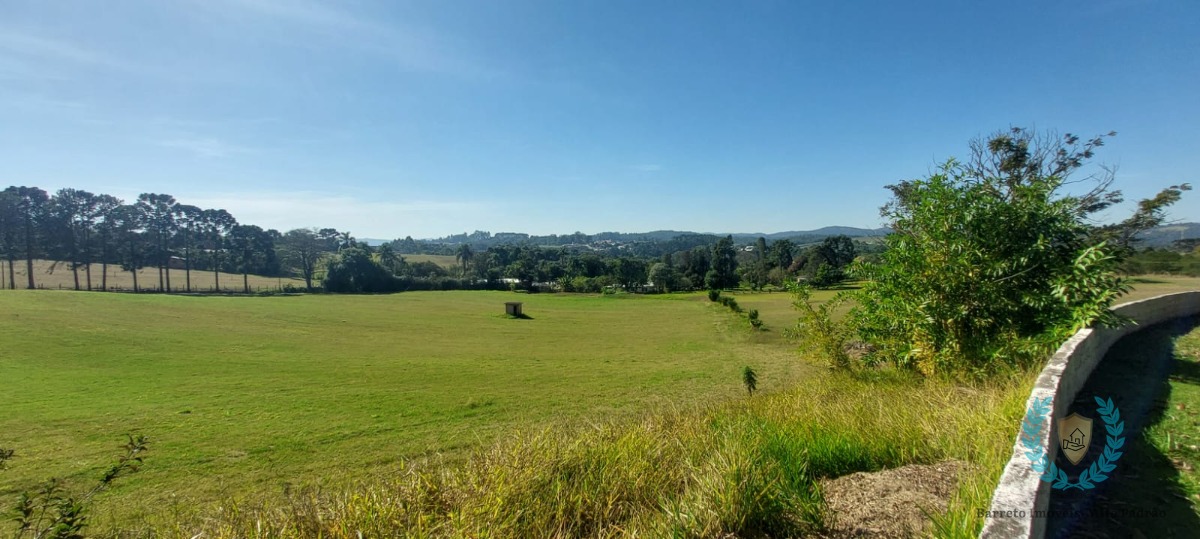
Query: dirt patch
889, 503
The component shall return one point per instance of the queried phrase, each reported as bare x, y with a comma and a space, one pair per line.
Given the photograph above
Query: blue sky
391, 119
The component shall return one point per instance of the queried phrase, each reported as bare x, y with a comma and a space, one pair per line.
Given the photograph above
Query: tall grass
747, 468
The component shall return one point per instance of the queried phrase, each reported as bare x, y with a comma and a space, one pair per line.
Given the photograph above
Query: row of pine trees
78, 230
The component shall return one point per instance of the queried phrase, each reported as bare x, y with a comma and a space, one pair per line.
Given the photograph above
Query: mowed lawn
242, 395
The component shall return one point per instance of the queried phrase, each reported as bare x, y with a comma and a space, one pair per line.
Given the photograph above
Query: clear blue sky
391, 119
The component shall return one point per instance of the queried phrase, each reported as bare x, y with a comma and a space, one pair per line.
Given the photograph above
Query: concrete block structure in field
513, 308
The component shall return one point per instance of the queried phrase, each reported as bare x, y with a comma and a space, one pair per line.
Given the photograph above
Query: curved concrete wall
1021, 493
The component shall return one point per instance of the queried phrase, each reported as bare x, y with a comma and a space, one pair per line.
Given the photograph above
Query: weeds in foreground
819, 332
53, 512
748, 468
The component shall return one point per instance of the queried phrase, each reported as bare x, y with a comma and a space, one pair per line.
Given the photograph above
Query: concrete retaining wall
1021, 493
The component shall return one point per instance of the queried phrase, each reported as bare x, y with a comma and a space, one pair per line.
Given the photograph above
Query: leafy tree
10, 232
837, 251
28, 206
407, 246
665, 277
353, 270
464, 256
215, 228
723, 273
301, 249
190, 220
754, 274
390, 259
585, 265
344, 240
630, 273
330, 237
826, 276
128, 233
72, 217
158, 216
781, 253
106, 232
696, 263
426, 269
249, 245
992, 263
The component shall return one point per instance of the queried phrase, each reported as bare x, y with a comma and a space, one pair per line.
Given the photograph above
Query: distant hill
1159, 237
822, 233
653, 243
1164, 236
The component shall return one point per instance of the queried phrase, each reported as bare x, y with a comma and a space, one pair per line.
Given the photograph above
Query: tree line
77, 230
719, 265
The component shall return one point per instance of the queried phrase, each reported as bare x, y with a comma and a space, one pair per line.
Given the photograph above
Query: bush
820, 335
752, 315
714, 295
989, 265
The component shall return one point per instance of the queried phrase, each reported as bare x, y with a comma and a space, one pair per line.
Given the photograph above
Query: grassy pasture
45, 276
245, 394
445, 261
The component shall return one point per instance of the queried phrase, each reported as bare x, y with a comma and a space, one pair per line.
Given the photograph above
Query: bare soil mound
889, 503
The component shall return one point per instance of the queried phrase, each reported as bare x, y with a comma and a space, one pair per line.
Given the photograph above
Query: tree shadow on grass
1146, 280
1143, 496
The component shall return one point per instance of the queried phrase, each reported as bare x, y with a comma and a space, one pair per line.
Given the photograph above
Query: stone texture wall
1021, 493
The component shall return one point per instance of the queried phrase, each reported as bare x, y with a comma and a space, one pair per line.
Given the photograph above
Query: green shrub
990, 264
821, 335
714, 295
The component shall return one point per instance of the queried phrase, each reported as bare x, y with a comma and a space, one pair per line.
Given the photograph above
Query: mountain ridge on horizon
1161, 236
833, 230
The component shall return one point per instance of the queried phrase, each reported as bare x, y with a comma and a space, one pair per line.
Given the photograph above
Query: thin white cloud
408, 46
301, 11
42, 103
25, 46
363, 218
204, 146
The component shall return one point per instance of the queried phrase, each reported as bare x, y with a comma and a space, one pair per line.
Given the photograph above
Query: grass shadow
1144, 496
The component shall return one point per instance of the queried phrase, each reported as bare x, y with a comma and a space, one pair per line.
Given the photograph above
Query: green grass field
241, 394
247, 397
